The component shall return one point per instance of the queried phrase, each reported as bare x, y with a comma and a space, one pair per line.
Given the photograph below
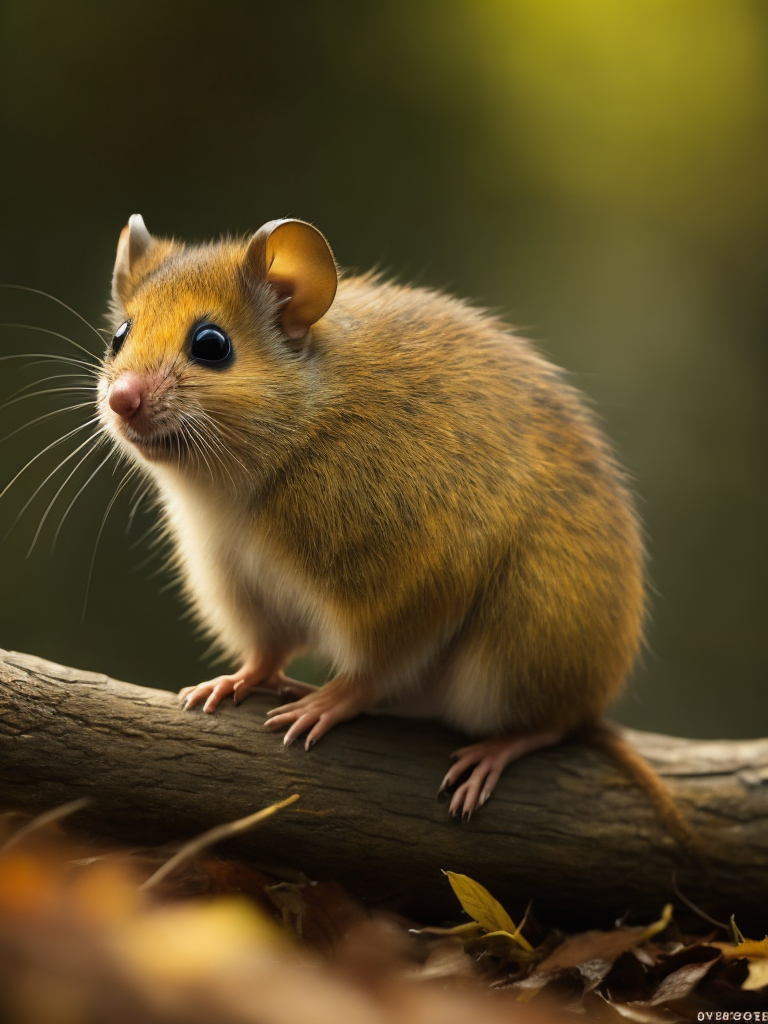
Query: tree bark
565, 827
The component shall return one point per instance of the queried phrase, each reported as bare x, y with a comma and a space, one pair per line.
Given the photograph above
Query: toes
241, 689
490, 784
294, 705
197, 694
467, 797
219, 692
455, 772
457, 801
320, 728
279, 721
301, 724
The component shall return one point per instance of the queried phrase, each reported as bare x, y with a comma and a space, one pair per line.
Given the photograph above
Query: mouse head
211, 360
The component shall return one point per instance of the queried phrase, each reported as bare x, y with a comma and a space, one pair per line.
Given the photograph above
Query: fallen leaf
447, 961
678, 985
319, 913
627, 981
484, 908
500, 944
642, 1013
187, 940
758, 975
660, 925
594, 945
747, 947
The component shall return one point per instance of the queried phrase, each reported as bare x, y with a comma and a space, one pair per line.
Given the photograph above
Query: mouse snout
125, 395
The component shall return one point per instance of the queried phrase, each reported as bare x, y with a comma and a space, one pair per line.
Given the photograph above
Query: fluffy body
414, 494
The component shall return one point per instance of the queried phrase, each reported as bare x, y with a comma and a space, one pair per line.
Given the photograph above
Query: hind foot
488, 759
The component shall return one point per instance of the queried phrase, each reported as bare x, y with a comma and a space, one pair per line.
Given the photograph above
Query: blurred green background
595, 169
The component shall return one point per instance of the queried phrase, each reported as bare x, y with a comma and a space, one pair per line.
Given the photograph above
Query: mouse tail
608, 737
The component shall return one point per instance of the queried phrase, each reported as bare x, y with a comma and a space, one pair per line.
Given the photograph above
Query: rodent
384, 475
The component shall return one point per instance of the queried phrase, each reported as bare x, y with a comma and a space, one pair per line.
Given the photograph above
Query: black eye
210, 346
120, 335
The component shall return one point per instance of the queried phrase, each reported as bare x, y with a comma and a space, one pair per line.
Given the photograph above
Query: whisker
80, 491
47, 391
51, 357
71, 433
39, 487
67, 478
142, 494
129, 475
47, 295
56, 334
47, 416
215, 434
194, 438
220, 455
53, 376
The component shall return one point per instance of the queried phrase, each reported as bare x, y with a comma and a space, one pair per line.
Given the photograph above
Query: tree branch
565, 826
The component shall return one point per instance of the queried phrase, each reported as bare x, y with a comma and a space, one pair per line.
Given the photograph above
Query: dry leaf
187, 940
660, 925
678, 985
484, 908
758, 975
503, 945
320, 913
581, 949
748, 947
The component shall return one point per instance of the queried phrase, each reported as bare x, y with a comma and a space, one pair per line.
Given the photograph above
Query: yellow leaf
504, 944
483, 908
758, 975
657, 926
747, 947
188, 940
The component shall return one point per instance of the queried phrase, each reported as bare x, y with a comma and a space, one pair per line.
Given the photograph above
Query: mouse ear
295, 259
135, 241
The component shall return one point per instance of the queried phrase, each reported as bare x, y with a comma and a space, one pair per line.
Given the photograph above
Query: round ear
296, 261
135, 241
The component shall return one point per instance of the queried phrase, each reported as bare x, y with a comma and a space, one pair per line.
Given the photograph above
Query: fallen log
565, 827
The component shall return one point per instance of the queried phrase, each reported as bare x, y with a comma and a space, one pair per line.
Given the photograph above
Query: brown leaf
677, 986
581, 949
447, 960
320, 913
627, 981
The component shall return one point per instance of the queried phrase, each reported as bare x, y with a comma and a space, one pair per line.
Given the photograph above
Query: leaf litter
105, 934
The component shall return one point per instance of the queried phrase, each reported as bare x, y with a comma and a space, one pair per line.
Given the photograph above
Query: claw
487, 760
320, 709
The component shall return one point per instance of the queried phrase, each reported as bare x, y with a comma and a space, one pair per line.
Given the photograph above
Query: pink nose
124, 395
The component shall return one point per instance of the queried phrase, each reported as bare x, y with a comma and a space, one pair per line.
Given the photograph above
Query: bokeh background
595, 169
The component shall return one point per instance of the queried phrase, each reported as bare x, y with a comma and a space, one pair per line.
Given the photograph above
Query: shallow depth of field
594, 170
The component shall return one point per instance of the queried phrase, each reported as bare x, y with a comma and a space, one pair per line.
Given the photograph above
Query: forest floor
92, 932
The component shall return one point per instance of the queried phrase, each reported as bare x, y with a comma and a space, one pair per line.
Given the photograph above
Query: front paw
239, 684
212, 693
320, 710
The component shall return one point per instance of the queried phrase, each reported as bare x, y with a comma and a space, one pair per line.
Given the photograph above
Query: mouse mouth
171, 445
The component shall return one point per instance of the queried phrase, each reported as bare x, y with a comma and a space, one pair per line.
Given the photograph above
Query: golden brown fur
415, 494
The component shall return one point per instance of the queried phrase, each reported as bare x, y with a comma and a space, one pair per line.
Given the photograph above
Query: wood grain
565, 826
